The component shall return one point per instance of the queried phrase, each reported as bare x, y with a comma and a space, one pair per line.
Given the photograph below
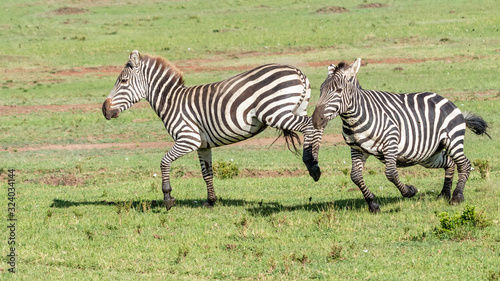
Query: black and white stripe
211, 115
398, 129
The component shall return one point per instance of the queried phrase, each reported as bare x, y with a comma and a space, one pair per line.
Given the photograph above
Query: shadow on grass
147, 204
267, 209
255, 208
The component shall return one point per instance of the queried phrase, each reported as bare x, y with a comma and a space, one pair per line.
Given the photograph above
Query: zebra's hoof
374, 208
411, 191
444, 195
169, 203
209, 204
314, 172
457, 199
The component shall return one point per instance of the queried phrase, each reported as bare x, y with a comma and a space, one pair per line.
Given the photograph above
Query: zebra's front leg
312, 142
358, 163
173, 154
391, 172
168, 200
205, 156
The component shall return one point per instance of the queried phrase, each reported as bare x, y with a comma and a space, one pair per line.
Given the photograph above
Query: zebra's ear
331, 69
134, 59
353, 69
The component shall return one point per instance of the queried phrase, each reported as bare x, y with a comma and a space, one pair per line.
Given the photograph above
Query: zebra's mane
165, 64
340, 67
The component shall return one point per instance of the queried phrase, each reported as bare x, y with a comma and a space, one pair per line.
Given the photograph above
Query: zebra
400, 130
202, 117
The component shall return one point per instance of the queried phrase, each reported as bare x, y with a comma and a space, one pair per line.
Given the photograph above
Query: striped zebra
211, 115
400, 130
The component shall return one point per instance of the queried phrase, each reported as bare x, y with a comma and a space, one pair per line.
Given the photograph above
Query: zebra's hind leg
463, 167
441, 160
312, 141
455, 150
358, 163
448, 181
312, 138
205, 156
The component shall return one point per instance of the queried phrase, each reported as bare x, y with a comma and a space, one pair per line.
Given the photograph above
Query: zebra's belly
233, 135
360, 142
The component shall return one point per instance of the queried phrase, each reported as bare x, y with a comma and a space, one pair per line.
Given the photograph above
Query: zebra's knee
392, 175
464, 168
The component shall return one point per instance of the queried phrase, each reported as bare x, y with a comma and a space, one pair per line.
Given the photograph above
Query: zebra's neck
353, 110
163, 79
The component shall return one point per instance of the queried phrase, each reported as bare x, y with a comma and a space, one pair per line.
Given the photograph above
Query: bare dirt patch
20, 109
57, 180
396, 61
25, 109
372, 6
96, 71
248, 173
334, 138
482, 96
69, 11
332, 10
252, 173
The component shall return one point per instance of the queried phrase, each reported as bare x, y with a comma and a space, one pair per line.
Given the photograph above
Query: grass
96, 213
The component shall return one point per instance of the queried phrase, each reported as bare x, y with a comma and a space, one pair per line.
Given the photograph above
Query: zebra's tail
291, 139
476, 124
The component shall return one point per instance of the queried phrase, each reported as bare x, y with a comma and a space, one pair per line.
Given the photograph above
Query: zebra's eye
124, 80
338, 90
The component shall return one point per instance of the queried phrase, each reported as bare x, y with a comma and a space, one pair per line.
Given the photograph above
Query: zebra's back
239, 107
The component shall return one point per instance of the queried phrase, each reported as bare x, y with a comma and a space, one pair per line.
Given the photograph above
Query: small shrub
462, 226
225, 169
146, 206
345, 171
302, 259
335, 253
182, 254
327, 217
122, 207
494, 276
89, 234
278, 222
243, 224
78, 214
178, 172
50, 212
163, 221
483, 166
272, 263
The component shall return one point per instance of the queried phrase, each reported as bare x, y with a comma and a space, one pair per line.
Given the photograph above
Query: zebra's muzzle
109, 112
318, 118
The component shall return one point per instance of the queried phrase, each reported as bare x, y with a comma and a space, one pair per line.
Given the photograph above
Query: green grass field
95, 213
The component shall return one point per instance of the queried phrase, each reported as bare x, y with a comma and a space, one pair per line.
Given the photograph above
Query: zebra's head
336, 91
130, 87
